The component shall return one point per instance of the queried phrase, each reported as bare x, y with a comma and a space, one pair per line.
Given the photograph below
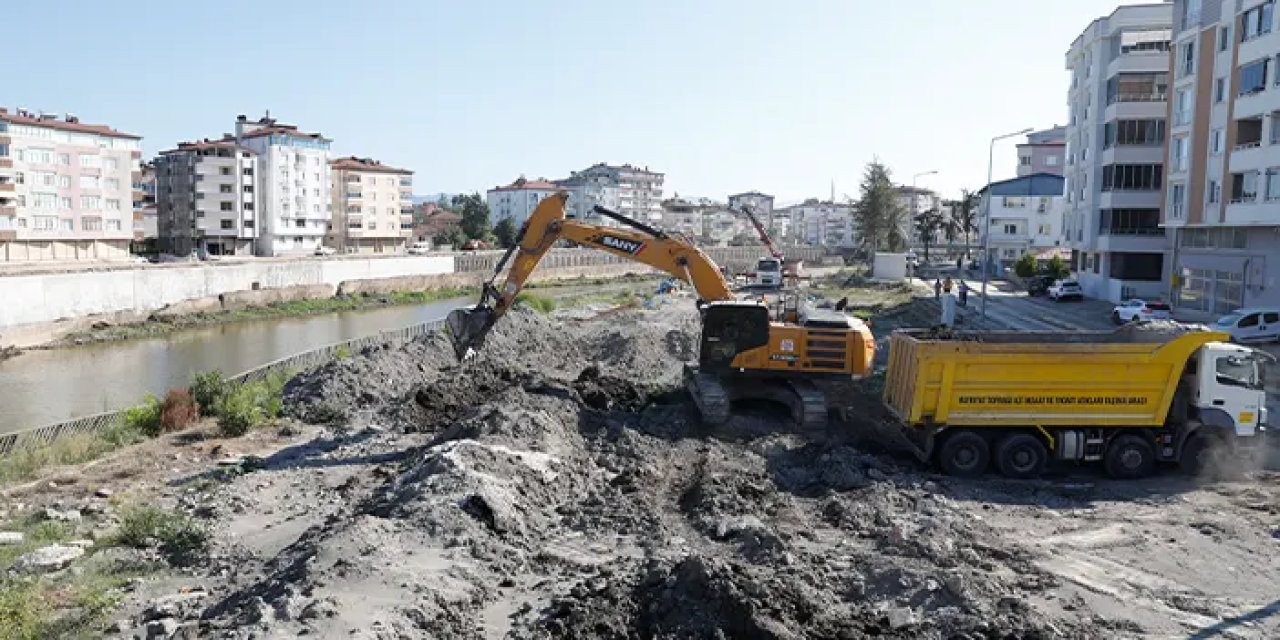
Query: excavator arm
547, 224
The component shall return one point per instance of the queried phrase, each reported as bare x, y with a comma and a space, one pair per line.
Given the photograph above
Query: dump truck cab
1229, 389
768, 273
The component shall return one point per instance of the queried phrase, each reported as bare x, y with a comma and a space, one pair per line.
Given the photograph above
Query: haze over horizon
721, 96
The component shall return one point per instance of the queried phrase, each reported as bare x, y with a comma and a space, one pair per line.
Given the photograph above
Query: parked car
419, 249
1065, 290
1251, 325
325, 251
1135, 310
1039, 285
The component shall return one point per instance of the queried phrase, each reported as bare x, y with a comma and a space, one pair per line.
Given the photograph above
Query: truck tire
1195, 455
1130, 457
965, 454
1021, 456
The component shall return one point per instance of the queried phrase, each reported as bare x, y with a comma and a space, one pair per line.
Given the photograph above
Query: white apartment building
66, 188
1026, 217
915, 201
1043, 152
761, 205
1222, 200
206, 198
634, 192
818, 222
1115, 158
296, 194
518, 199
372, 206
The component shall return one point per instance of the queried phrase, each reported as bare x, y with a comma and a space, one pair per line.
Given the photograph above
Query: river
43, 387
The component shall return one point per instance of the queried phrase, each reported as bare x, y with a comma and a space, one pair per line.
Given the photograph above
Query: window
1190, 14
1043, 229
1024, 161
248, 206
112, 204
1177, 201
1155, 40
248, 224
1052, 161
226, 171
1273, 184
1010, 229
227, 224
226, 206
224, 188
67, 224
1224, 38
248, 171
1182, 108
248, 188
90, 203
89, 161
111, 164
44, 223
315, 208
1244, 187
1215, 142
64, 203
64, 159
1275, 127
1132, 177
1214, 194
1253, 77
1187, 59
1257, 21
112, 184
113, 225
91, 224
1179, 155
1219, 90
88, 182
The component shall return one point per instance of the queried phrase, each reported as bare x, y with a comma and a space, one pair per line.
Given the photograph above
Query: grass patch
537, 302
27, 460
176, 535
250, 405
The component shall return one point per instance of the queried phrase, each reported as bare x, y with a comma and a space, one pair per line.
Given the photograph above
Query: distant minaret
833, 191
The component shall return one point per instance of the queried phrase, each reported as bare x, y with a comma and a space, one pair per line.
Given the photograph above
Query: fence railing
297, 362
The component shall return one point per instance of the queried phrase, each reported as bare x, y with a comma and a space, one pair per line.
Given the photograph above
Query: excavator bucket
467, 329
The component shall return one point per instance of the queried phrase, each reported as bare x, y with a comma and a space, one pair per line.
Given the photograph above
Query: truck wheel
1021, 456
1130, 457
965, 454
1195, 455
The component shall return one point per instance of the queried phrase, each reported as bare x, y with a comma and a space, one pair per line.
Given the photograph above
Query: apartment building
915, 201
296, 197
636, 192
1222, 201
821, 222
146, 227
66, 188
1115, 173
207, 197
1043, 152
688, 215
518, 199
761, 205
372, 206
1026, 217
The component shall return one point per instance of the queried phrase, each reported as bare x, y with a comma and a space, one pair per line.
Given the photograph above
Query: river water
44, 387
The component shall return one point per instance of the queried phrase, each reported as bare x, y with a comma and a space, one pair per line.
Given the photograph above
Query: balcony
7, 187
354, 195
8, 210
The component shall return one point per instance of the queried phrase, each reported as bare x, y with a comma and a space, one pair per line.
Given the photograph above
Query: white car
419, 249
1251, 325
1065, 290
1135, 310
325, 251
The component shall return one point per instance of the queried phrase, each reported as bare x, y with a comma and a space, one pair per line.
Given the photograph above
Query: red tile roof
353, 163
63, 125
520, 184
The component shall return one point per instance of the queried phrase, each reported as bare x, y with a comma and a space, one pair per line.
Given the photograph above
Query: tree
928, 223
505, 231
475, 215
878, 215
1026, 266
965, 215
1056, 268
452, 236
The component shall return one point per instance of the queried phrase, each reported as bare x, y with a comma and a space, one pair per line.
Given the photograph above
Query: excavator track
810, 408
710, 394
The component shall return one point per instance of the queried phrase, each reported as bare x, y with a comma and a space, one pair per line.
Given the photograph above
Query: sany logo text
621, 244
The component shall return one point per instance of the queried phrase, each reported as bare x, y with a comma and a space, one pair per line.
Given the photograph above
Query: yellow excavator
745, 351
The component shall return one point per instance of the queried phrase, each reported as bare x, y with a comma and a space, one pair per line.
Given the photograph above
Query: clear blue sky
723, 96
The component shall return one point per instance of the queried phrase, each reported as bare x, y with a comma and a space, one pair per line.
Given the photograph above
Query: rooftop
522, 184
751, 194
352, 163
69, 123
1036, 184
226, 142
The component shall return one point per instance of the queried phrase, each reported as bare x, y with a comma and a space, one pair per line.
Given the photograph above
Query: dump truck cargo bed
1126, 377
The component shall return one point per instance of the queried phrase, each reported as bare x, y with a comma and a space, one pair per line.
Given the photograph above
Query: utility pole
986, 217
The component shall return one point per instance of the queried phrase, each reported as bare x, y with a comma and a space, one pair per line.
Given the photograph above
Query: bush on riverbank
247, 406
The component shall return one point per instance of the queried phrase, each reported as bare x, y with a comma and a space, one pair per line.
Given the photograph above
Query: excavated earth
559, 485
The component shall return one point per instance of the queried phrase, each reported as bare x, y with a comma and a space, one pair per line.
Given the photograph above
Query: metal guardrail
299, 361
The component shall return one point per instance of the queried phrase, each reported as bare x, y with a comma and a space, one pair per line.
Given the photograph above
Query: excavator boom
546, 225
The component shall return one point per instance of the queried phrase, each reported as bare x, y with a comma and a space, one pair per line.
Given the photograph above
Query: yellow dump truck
1130, 399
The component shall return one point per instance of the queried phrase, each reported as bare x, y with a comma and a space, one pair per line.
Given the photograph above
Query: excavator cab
729, 328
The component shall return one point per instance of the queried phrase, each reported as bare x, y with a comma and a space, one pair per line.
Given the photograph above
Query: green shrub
22, 610
145, 418
539, 303
207, 388
240, 410
145, 526
271, 394
342, 353
1026, 266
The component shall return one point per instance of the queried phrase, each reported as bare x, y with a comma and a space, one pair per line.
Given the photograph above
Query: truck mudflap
920, 440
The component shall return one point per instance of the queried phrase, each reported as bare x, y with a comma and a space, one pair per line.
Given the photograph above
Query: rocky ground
559, 485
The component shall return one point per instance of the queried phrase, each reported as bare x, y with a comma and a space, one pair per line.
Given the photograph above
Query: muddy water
43, 387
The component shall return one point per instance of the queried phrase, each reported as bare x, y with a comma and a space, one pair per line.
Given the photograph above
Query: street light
914, 207
986, 223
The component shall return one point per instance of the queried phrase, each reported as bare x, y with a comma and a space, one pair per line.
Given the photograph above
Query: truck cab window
1238, 372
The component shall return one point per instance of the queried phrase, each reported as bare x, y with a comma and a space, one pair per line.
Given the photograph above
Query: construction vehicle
1129, 399
774, 270
745, 352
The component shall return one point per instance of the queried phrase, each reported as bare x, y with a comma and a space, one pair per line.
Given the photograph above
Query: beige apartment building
372, 206
1222, 201
66, 188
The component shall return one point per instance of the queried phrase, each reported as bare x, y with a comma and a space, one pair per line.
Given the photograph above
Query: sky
723, 96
